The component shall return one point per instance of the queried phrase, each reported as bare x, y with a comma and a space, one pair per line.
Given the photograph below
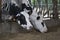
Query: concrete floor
12, 31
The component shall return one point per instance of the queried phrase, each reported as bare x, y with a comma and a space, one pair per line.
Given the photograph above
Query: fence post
55, 13
0, 11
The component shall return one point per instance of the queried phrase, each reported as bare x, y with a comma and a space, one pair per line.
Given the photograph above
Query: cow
21, 16
37, 20
23, 19
26, 4
14, 8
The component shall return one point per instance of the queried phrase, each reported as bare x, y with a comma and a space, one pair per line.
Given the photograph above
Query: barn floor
9, 31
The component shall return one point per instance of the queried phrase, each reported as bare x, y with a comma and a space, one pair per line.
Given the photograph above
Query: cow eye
38, 17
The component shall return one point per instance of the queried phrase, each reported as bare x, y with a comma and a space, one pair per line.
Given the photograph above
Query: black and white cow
23, 20
14, 10
14, 7
37, 20
24, 6
21, 16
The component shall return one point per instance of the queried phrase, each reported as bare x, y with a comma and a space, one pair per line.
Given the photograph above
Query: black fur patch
23, 6
28, 8
14, 10
22, 19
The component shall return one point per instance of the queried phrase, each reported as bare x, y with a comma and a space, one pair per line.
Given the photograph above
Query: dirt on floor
9, 31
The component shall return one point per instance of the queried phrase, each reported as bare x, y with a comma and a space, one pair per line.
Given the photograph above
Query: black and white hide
14, 10
26, 2
22, 16
23, 20
26, 5
5, 5
37, 21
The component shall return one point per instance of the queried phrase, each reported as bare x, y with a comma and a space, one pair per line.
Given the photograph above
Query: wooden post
55, 13
0, 10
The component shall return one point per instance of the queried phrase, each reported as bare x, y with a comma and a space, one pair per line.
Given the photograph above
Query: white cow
37, 21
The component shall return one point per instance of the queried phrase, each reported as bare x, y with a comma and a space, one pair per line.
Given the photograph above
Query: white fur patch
17, 15
18, 22
26, 2
10, 17
13, 1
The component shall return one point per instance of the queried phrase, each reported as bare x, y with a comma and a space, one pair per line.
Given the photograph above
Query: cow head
23, 20
36, 15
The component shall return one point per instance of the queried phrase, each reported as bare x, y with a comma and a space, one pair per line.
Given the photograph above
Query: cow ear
42, 24
17, 15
